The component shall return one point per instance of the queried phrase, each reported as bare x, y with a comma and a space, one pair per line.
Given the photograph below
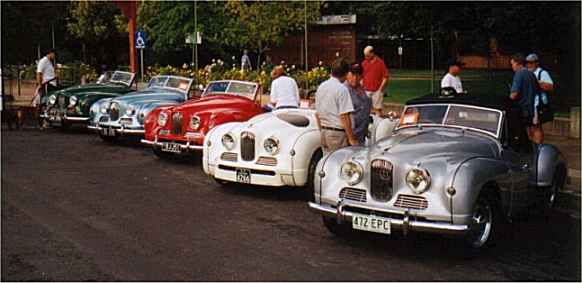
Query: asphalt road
76, 208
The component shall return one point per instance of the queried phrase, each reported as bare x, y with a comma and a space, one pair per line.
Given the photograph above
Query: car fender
211, 140
304, 147
327, 182
549, 159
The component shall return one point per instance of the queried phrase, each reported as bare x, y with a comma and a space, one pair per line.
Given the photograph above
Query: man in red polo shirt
374, 78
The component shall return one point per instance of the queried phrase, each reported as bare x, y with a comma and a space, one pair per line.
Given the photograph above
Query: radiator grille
177, 123
229, 156
353, 194
381, 180
247, 146
267, 161
410, 201
62, 100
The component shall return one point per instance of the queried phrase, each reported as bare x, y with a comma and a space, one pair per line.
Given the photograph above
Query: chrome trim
182, 146
121, 130
76, 118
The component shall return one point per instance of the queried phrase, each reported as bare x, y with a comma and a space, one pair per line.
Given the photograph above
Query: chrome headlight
162, 119
195, 122
104, 107
352, 172
130, 110
228, 141
271, 145
418, 180
73, 101
52, 99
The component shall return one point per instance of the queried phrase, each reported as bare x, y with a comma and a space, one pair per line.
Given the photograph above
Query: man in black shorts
523, 90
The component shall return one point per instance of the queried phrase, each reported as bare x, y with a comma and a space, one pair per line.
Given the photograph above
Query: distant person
375, 78
46, 76
362, 103
334, 108
541, 101
245, 63
523, 89
451, 78
284, 90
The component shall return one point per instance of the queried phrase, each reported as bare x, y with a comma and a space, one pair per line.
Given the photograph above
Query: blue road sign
140, 39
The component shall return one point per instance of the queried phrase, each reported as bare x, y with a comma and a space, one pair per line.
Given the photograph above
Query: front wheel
484, 222
551, 193
310, 186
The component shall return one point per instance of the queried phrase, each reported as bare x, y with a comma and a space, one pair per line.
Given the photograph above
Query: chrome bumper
76, 119
121, 130
186, 146
64, 117
404, 224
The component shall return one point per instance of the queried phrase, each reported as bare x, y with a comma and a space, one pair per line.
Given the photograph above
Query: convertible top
484, 100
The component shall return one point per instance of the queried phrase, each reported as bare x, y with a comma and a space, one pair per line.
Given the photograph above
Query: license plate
243, 176
171, 147
110, 132
371, 223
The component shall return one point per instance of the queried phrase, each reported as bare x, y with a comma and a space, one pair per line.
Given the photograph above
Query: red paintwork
213, 110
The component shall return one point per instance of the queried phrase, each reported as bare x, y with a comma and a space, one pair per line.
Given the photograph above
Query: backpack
544, 109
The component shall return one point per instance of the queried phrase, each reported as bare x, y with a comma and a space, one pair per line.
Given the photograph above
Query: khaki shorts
377, 98
333, 140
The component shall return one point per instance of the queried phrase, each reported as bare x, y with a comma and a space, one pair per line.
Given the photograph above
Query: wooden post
574, 122
129, 9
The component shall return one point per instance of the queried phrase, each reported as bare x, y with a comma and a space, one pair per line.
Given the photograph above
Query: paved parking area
76, 208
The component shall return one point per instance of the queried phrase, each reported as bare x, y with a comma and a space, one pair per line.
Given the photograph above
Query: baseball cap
532, 58
356, 69
455, 62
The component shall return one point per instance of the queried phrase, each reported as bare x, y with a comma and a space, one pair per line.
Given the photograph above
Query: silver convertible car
459, 165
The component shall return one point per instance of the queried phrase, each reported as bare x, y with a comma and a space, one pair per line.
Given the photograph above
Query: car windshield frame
443, 123
166, 79
228, 88
111, 80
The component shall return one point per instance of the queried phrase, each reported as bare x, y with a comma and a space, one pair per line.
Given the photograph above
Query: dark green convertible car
71, 105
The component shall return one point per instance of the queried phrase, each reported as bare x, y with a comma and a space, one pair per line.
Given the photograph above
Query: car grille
353, 194
229, 156
267, 161
381, 180
114, 111
247, 146
61, 100
177, 123
410, 201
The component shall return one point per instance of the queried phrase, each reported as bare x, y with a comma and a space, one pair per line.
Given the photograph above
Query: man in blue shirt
547, 85
523, 90
362, 103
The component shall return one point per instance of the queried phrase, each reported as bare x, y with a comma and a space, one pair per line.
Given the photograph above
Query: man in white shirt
451, 79
333, 105
45, 72
284, 90
245, 63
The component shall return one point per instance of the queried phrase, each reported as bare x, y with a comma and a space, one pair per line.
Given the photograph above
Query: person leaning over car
374, 78
284, 90
362, 103
523, 89
333, 106
547, 86
451, 79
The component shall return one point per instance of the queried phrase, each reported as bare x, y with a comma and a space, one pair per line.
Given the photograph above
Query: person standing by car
523, 90
334, 108
374, 78
451, 79
362, 103
284, 90
245, 63
46, 77
546, 85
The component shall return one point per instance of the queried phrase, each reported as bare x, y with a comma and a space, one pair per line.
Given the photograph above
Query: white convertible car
279, 148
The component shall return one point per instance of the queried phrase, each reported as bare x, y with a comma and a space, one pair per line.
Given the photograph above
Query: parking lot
76, 208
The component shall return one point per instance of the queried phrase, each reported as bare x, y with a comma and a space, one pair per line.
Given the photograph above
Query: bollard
574, 122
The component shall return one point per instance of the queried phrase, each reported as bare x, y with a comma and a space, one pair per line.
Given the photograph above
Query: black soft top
484, 100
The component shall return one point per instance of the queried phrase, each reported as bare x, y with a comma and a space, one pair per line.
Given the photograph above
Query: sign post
400, 52
140, 43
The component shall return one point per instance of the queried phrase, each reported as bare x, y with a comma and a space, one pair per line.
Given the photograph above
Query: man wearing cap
334, 108
547, 85
284, 90
523, 89
374, 78
451, 79
362, 103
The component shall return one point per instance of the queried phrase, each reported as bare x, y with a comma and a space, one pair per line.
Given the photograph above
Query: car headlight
271, 145
162, 119
352, 172
418, 180
130, 111
228, 141
73, 101
52, 99
104, 107
195, 122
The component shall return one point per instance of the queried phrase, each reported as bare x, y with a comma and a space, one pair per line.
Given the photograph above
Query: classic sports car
279, 148
125, 115
453, 165
182, 128
71, 105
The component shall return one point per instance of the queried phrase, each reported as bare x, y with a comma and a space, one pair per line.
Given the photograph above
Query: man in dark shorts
523, 90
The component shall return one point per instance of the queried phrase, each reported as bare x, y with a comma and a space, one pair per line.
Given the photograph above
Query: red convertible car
181, 128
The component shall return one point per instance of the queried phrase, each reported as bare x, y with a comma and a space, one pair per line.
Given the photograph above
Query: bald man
284, 90
374, 78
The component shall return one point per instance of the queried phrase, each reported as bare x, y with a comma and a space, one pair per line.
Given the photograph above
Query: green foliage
94, 21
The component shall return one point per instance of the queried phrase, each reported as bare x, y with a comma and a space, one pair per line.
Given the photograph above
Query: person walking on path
374, 78
362, 103
245, 63
541, 101
523, 89
284, 90
334, 107
451, 78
